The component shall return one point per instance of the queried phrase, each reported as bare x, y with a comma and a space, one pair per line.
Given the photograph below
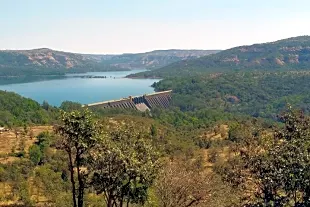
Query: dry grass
9, 142
219, 132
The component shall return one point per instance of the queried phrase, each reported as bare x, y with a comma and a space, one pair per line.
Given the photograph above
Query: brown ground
9, 142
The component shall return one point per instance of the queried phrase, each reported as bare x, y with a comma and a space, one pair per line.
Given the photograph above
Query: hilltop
44, 61
287, 54
150, 60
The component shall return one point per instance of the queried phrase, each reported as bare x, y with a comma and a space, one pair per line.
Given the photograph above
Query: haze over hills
150, 60
292, 53
45, 61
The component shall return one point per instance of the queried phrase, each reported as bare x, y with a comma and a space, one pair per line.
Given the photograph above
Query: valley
154, 103
219, 124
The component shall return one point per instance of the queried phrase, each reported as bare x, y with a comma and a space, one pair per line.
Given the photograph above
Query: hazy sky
120, 26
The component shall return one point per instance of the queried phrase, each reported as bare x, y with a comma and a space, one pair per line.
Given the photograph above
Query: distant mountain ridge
150, 60
44, 57
44, 61
287, 54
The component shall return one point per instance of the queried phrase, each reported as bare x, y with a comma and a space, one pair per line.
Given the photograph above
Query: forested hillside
16, 110
258, 94
287, 54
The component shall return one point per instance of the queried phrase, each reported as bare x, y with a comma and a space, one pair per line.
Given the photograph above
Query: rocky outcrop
152, 60
43, 57
287, 54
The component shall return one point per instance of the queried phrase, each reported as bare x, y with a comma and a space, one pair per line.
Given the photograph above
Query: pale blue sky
120, 26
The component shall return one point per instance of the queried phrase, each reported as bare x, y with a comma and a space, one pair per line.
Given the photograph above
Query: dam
141, 103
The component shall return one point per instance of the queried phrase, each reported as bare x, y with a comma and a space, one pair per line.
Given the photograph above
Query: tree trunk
81, 187
110, 202
72, 179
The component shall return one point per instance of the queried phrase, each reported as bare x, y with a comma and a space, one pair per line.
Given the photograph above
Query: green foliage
255, 94
35, 154
153, 130
276, 170
23, 191
124, 166
51, 184
44, 140
16, 111
69, 106
38, 151
79, 134
78, 130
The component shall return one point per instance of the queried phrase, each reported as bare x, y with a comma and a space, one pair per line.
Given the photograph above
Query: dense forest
258, 94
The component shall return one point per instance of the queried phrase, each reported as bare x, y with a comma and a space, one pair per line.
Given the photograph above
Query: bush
213, 155
35, 154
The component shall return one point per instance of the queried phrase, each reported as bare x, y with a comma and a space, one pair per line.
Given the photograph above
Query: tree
124, 165
44, 140
35, 154
51, 185
25, 130
78, 133
70, 106
153, 130
22, 143
45, 105
279, 172
184, 183
23, 191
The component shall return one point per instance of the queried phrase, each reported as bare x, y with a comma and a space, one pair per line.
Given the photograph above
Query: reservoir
81, 88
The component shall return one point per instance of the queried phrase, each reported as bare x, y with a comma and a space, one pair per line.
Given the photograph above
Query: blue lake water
83, 90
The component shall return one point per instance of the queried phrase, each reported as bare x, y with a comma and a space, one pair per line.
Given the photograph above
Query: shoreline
139, 77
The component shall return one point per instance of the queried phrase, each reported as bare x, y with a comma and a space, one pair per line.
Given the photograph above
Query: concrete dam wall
141, 103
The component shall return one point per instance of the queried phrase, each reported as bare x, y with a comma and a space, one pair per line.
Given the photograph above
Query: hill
286, 54
16, 110
257, 94
150, 60
45, 61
